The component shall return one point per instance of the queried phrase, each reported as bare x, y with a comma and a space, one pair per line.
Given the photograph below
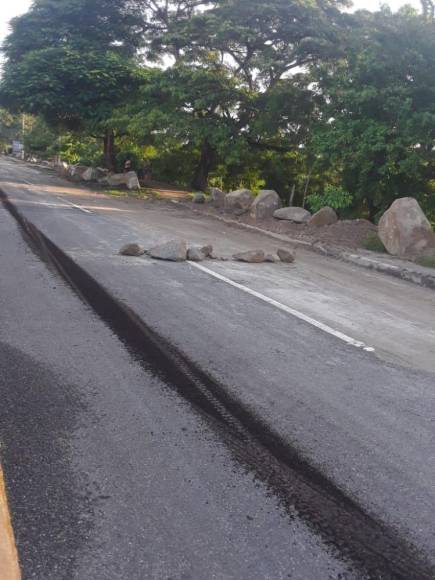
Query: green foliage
333, 196
379, 109
427, 261
40, 140
374, 243
10, 128
286, 94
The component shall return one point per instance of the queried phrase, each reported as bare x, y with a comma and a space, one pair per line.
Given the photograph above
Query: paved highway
170, 425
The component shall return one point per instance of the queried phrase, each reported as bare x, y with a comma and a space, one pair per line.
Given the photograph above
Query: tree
378, 124
257, 48
71, 61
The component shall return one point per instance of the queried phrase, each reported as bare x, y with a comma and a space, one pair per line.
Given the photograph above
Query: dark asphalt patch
38, 413
375, 549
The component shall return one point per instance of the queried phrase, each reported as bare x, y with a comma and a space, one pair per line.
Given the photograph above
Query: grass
373, 243
137, 194
427, 261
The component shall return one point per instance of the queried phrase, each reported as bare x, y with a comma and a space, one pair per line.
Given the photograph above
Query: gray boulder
271, 258
252, 256
207, 251
324, 217
196, 254
286, 256
199, 198
238, 202
173, 251
217, 197
405, 231
298, 215
128, 180
132, 250
91, 174
76, 172
265, 204
63, 169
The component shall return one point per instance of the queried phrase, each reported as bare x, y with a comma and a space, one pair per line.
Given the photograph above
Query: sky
16, 7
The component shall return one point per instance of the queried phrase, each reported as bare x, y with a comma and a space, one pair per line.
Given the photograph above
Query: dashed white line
74, 205
287, 309
62, 199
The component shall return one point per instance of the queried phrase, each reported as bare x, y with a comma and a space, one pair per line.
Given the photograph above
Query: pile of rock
83, 173
180, 251
259, 256
267, 204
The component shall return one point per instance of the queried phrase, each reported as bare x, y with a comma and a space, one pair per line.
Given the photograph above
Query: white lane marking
74, 205
60, 198
292, 311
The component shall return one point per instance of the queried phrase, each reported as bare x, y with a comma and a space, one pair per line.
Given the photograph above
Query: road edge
9, 564
423, 279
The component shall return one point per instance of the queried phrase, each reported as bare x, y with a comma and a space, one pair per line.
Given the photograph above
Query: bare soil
350, 234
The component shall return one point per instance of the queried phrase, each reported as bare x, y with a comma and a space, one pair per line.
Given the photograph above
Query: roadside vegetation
325, 106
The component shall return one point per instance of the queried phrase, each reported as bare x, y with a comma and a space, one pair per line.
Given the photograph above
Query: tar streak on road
375, 550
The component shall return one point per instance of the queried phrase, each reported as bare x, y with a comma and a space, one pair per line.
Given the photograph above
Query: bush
333, 196
374, 243
427, 261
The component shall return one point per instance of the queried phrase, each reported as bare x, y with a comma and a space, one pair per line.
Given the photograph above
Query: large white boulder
265, 204
239, 202
298, 215
404, 229
129, 180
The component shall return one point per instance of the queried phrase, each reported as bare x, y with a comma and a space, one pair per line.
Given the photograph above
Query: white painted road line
283, 307
61, 199
74, 205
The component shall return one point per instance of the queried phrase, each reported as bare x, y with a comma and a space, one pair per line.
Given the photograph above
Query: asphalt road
207, 435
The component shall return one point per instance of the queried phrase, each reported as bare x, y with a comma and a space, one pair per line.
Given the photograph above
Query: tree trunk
208, 156
292, 195
307, 184
373, 209
109, 150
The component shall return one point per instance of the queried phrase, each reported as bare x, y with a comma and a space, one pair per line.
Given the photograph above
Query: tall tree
71, 61
378, 129
260, 46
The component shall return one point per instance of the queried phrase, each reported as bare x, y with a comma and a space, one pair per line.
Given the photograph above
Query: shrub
427, 261
373, 243
333, 196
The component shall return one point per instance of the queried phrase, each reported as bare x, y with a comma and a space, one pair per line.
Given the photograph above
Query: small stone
271, 258
195, 254
252, 256
132, 250
172, 251
286, 256
207, 250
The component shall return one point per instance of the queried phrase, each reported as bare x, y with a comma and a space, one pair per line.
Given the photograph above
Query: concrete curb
424, 278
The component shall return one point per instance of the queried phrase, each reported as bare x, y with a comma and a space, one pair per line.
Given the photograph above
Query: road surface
169, 424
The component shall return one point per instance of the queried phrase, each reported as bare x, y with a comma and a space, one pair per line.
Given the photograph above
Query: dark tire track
375, 550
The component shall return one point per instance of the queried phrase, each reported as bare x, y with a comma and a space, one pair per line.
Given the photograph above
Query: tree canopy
300, 95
